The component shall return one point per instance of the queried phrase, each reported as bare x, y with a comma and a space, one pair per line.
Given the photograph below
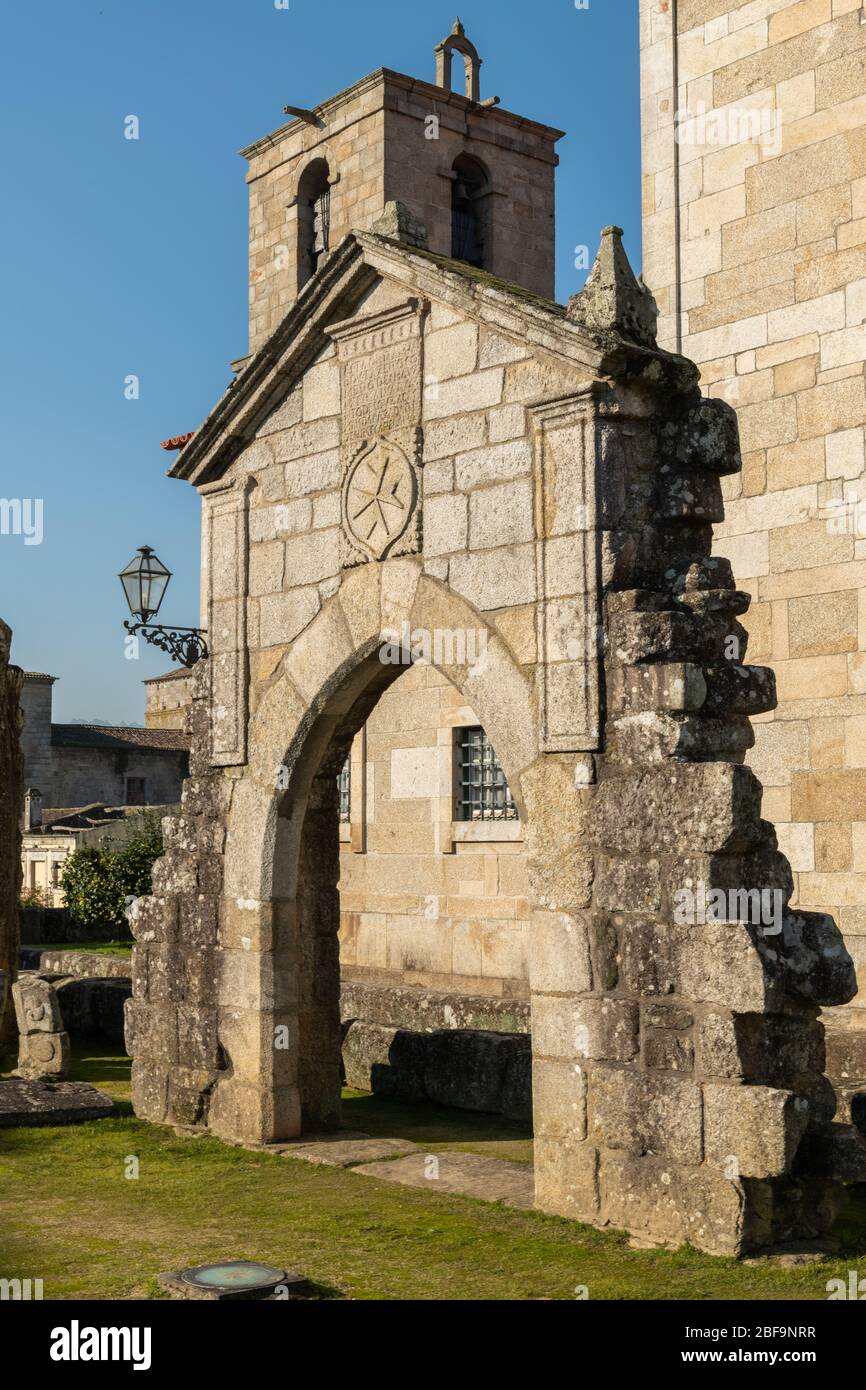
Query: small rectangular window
484, 792
344, 783
135, 791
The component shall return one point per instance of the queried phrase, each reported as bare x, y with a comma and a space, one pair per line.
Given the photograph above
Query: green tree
97, 882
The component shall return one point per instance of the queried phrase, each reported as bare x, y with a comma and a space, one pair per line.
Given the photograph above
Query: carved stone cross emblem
380, 495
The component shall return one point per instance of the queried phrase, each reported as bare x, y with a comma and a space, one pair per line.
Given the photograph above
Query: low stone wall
467, 1069
423, 1010
461, 1050
81, 965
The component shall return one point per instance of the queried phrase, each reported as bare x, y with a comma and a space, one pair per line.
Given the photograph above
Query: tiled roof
119, 739
177, 673
89, 817
178, 441
38, 676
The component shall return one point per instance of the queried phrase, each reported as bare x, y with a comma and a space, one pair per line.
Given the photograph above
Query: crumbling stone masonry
556, 493
11, 776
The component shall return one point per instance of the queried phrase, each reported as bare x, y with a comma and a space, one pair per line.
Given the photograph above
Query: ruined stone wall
558, 488
755, 247
11, 781
441, 912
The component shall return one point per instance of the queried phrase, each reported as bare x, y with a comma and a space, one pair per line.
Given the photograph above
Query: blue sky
124, 257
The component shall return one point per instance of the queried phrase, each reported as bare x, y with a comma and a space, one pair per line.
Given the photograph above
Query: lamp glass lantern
145, 580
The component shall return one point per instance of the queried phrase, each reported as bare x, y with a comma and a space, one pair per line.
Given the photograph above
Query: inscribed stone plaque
380, 365
381, 371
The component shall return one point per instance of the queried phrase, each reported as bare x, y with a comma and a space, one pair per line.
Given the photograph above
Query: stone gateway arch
420, 442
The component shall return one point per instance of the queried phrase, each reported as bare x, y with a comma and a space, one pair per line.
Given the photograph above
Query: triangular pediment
345, 288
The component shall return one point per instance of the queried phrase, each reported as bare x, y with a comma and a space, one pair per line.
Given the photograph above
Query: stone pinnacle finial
400, 224
458, 28
613, 300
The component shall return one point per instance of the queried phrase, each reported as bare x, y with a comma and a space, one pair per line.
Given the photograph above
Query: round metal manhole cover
236, 1276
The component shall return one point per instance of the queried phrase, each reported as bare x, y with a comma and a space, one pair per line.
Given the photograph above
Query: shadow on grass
850, 1230
90, 1063
385, 1118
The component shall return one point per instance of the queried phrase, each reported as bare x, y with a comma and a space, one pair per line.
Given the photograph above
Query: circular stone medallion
379, 498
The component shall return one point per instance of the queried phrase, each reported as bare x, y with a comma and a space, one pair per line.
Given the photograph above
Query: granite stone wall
754, 173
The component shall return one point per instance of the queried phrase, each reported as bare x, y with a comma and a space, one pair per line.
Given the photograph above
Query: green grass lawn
98, 948
70, 1216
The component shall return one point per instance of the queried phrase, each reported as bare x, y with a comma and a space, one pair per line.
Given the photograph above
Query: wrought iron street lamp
145, 580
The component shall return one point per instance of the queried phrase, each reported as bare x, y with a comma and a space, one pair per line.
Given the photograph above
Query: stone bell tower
478, 177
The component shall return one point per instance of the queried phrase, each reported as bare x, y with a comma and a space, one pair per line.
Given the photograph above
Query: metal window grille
484, 793
344, 784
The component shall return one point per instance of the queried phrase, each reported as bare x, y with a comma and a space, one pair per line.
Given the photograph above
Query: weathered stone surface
94, 1007
421, 1010
25, 1102
43, 1046
470, 1070
336, 1152
77, 964
711, 807
399, 223
612, 300
818, 966
668, 1204
838, 1151
459, 1174
645, 1113
668, 1046
754, 1128
43, 1055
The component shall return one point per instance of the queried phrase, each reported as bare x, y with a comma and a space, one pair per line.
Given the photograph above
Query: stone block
559, 1100
43, 1055
753, 1130
559, 961
37, 1008
645, 1113
713, 807
501, 516
666, 1204
566, 1178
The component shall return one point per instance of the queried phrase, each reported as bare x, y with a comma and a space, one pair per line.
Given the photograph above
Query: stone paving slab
63, 1102
467, 1175
345, 1152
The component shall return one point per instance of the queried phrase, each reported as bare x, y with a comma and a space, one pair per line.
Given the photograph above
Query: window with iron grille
484, 793
344, 783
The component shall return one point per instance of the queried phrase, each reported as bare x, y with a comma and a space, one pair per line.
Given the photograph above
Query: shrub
35, 898
98, 882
